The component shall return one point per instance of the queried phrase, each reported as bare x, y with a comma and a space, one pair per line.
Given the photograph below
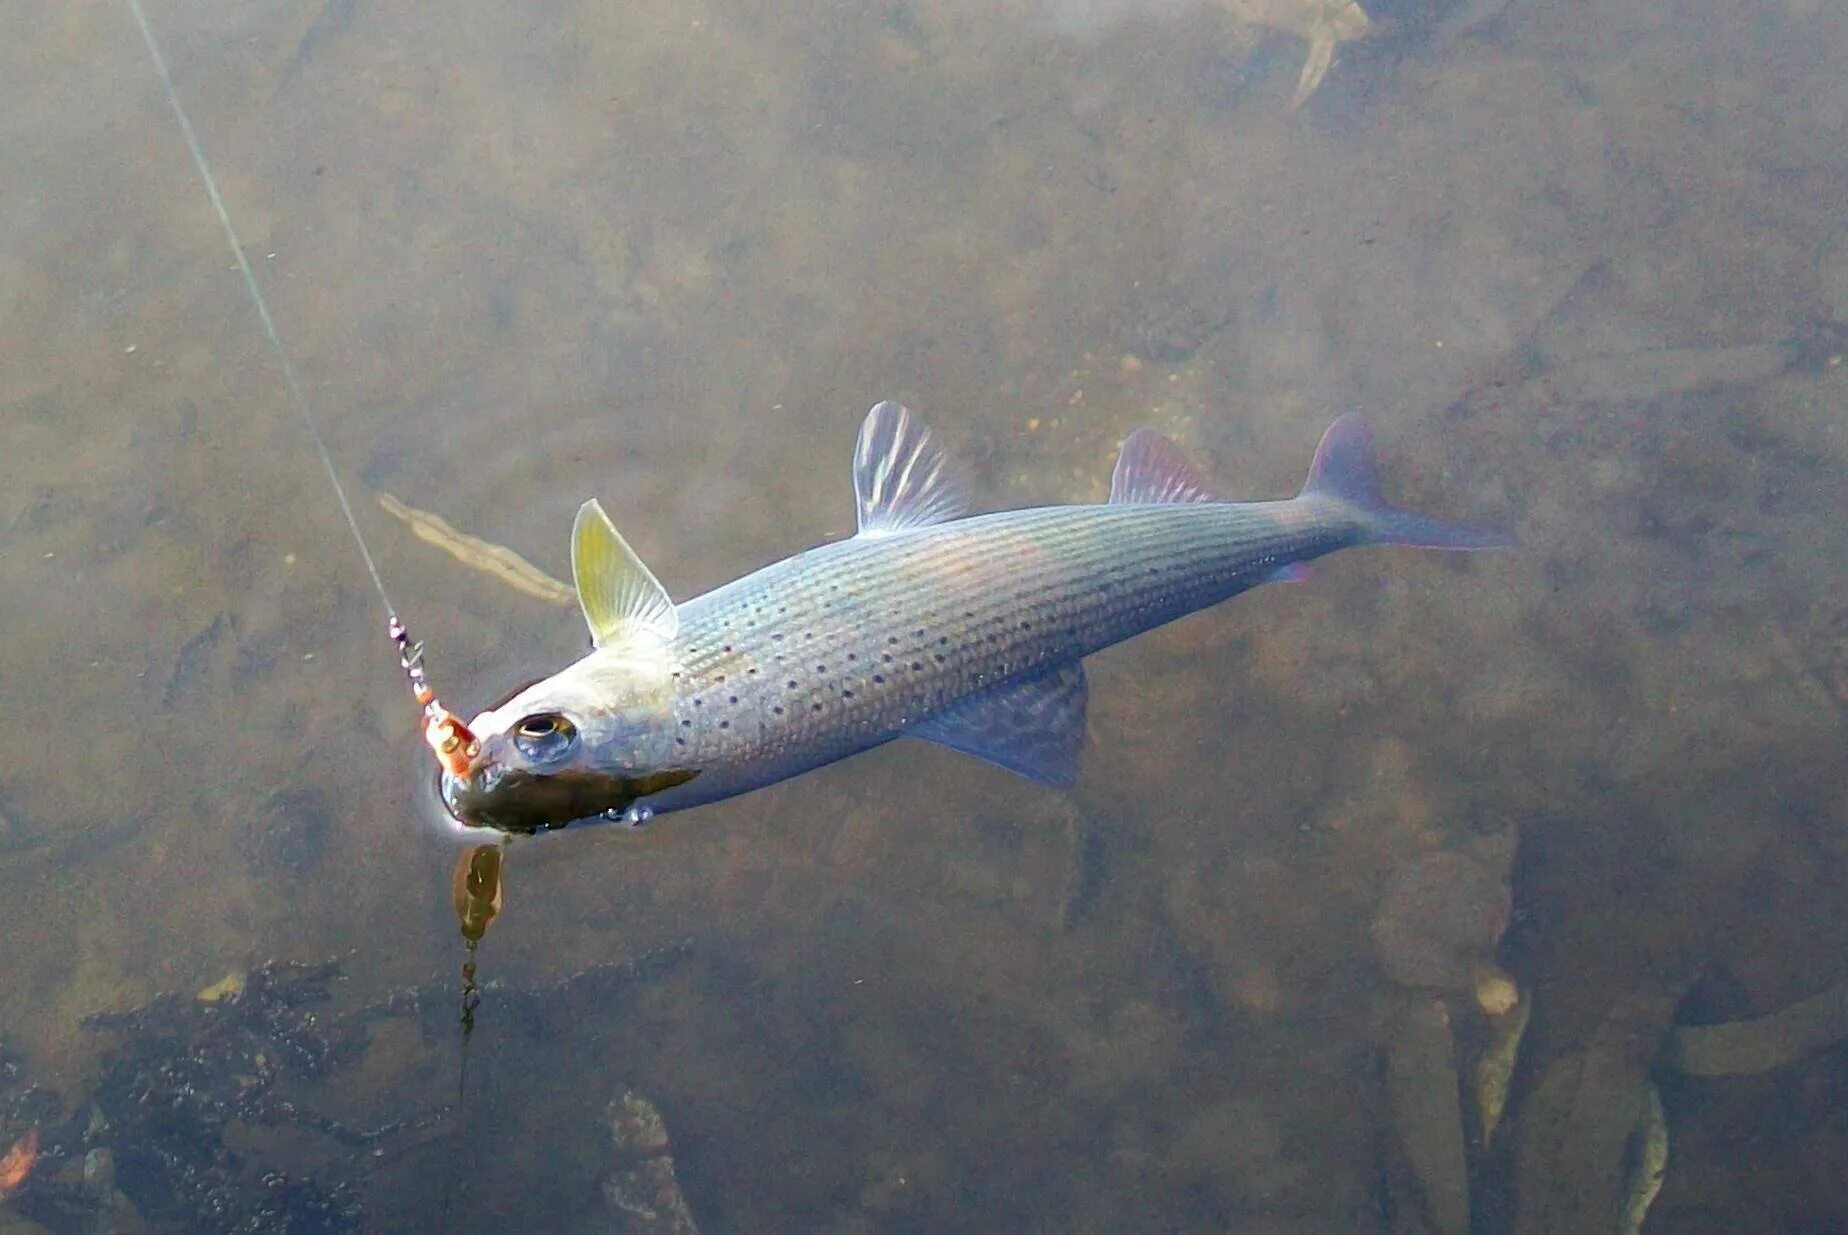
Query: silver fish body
846, 646
964, 630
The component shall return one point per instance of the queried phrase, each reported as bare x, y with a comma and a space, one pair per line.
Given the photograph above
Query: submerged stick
1744, 1048
496, 560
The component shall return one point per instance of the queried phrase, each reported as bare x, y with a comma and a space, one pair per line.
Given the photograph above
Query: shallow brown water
1585, 265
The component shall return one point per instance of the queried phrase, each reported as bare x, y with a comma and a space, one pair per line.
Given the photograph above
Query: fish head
590, 742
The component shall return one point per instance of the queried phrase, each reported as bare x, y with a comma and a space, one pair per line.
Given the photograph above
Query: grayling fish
965, 630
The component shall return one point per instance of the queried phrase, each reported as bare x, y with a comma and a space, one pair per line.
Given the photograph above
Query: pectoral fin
1033, 727
621, 598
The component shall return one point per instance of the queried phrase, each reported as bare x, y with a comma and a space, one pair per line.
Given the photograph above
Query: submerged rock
1584, 1136
1427, 1113
1494, 1070
1650, 1167
1439, 922
18, 1224
642, 1190
1741, 1048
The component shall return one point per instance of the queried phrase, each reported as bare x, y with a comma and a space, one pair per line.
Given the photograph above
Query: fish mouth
514, 800
525, 802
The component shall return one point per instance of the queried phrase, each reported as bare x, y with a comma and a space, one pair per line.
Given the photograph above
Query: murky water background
1585, 265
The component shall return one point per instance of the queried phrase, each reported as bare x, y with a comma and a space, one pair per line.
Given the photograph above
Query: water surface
1586, 267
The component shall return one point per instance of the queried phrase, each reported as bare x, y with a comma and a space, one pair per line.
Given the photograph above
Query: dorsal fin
901, 477
1152, 470
620, 596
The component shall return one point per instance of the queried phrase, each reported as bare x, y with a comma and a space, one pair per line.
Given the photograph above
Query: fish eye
545, 736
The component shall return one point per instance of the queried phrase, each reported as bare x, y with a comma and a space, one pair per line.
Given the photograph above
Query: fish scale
877, 633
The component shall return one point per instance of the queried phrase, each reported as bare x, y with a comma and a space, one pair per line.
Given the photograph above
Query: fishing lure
447, 735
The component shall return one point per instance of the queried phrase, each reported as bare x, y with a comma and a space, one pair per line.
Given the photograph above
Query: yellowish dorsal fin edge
623, 602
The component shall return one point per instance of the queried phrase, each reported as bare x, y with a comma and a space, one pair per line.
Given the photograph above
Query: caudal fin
1344, 470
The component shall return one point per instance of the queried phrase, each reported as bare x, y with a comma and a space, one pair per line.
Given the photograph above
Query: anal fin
1033, 726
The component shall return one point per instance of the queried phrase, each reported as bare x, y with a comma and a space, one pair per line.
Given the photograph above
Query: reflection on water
1585, 265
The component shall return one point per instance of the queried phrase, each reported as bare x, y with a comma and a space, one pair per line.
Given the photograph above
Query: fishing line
262, 306
445, 733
